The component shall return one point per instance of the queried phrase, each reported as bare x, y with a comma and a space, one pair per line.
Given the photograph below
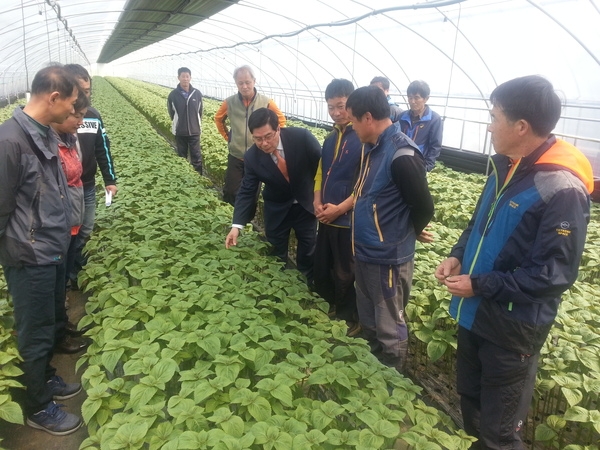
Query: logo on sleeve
564, 229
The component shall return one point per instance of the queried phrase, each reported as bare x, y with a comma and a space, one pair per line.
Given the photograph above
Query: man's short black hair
78, 71
54, 78
261, 117
182, 70
418, 87
369, 99
82, 102
531, 98
338, 87
385, 83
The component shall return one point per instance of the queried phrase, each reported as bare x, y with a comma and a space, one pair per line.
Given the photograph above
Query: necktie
281, 165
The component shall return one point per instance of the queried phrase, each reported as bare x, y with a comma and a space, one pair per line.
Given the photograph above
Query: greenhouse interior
185, 332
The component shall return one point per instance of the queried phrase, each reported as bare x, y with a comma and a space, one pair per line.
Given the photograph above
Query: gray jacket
35, 213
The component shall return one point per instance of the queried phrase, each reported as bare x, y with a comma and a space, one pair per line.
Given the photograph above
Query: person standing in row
185, 109
69, 151
285, 161
392, 206
95, 152
384, 84
34, 237
519, 253
334, 183
237, 110
421, 124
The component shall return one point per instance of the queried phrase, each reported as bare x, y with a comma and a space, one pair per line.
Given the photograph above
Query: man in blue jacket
185, 109
392, 206
334, 183
520, 252
421, 124
35, 231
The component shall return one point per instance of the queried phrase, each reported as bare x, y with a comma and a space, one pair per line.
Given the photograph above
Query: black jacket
185, 113
95, 150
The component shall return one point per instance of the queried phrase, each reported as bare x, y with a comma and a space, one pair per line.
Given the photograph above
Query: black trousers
191, 145
38, 295
233, 179
334, 270
495, 386
305, 226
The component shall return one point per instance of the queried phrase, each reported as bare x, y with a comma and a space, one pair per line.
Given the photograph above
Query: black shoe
354, 329
71, 330
70, 345
332, 311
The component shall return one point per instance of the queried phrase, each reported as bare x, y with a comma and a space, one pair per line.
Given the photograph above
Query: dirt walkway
18, 437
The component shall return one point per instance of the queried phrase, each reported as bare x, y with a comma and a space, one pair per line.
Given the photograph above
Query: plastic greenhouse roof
462, 48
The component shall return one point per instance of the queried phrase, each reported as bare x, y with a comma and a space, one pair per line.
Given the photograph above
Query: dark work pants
382, 292
305, 226
38, 295
191, 145
496, 387
233, 179
334, 270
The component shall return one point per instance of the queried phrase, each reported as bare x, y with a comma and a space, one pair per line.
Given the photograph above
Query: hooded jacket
35, 212
523, 245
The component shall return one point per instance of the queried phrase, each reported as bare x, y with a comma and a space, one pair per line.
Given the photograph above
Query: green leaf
260, 409
164, 370
436, 349
367, 439
385, 429
11, 411
234, 426
573, 396
90, 408
576, 414
141, 394
544, 433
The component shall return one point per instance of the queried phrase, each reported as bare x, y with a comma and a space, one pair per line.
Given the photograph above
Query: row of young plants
195, 346
434, 331
10, 411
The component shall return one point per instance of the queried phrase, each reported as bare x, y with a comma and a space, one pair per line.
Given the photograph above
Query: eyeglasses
266, 137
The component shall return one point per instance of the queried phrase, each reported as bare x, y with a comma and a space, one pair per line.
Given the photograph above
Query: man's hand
231, 239
448, 267
460, 285
329, 213
318, 207
426, 237
112, 188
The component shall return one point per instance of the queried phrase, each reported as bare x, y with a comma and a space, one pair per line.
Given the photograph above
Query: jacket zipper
377, 223
499, 194
336, 153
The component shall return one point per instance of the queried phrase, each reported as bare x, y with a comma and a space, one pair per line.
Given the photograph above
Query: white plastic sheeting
463, 49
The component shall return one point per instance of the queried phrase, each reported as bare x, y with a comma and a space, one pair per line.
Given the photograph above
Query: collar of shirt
280, 150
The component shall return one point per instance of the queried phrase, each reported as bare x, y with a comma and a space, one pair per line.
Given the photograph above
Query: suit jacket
302, 152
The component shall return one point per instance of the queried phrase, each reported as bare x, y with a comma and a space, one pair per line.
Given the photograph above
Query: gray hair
244, 68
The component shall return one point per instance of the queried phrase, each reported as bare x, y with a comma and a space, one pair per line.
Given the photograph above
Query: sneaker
61, 390
54, 420
354, 329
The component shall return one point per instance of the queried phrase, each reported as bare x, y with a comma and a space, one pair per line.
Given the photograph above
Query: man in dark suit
285, 161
